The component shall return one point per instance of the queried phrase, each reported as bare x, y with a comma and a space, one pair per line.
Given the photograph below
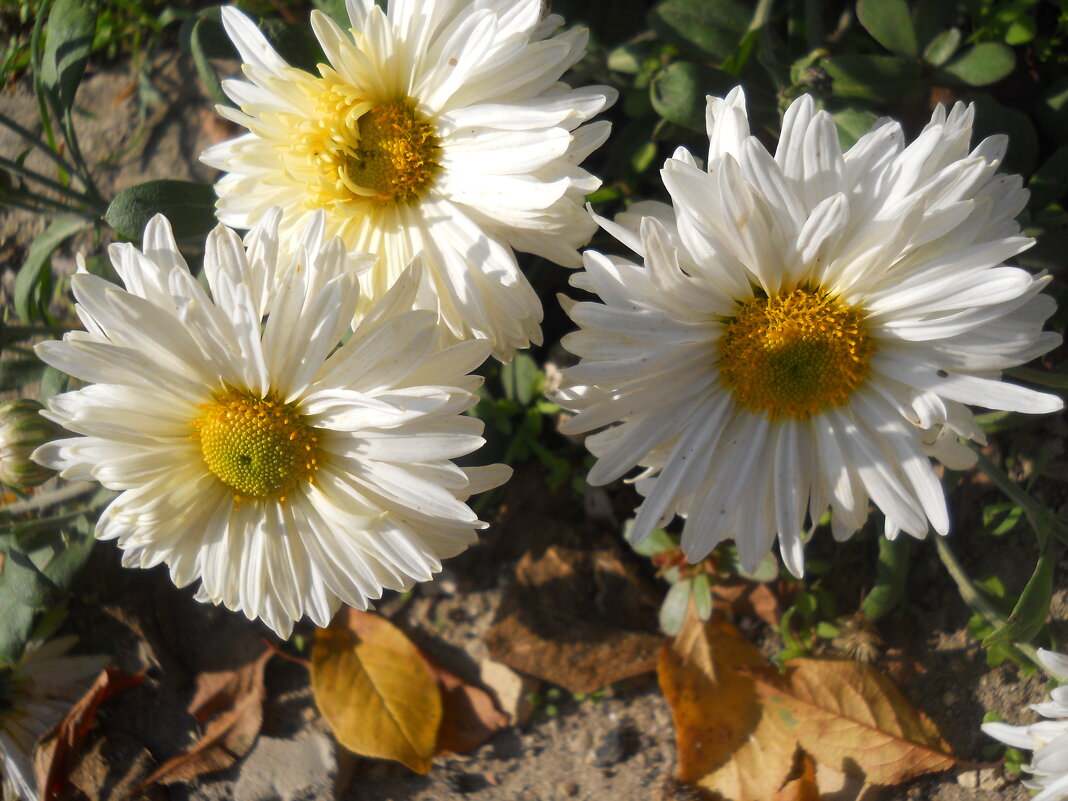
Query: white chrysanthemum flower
438, 126
35, 695
806, 329
1047, 738
286, 476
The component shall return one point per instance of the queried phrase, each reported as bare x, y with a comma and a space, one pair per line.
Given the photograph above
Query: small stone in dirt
571, 789
466, 782
618, 745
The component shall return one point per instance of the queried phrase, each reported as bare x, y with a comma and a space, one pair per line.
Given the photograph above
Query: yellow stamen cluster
258, 447
794, 354
361, 152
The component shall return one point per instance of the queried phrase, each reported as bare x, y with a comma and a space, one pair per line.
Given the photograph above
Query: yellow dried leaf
375, 690
850, 716
726, 743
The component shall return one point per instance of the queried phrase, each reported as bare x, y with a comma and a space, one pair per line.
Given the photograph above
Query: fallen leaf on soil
577, 617
375, 690
850, 716
726, 743
230, 704
469, 715
802, 788
52, 761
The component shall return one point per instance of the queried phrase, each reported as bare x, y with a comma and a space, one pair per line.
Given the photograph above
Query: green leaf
705, 29
889, 24
702, 596
673, 610
1020, 31
53, 382
679, 91
852, 123
68, 41
24, 591
521, 378
656, 543
740, 57
335, 9
1031, 610
627, 58
881, 79
34, 282
189, 206
296, 44
198, 46
986, 63
941, 49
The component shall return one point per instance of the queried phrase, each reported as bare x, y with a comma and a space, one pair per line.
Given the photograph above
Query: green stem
760, 16
975, 599
48, 499
36, 142
55, 186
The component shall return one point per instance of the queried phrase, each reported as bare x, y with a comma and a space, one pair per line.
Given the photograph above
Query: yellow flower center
258, 447
382, 154
794, 354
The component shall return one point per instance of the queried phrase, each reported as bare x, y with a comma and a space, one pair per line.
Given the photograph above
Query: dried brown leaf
230, 704
848, 715
726, 743
470, 716
53, 760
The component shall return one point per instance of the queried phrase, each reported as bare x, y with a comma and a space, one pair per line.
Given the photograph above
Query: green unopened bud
22, 430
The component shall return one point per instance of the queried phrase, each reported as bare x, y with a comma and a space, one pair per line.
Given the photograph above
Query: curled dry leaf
470, 716
375, 690
726, 743
851, 717
230, 705
54, 758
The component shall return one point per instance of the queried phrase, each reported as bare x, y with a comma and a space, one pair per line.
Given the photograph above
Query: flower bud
22, 430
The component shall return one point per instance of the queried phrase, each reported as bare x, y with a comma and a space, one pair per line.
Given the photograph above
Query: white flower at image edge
287, 477
1047, 738
438, 126
806, 330
35, 695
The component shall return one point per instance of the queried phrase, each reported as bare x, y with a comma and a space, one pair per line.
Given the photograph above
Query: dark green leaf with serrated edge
35, 275
68, 41
709, 29
889, 24
679, 91
189, 206
986, 63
